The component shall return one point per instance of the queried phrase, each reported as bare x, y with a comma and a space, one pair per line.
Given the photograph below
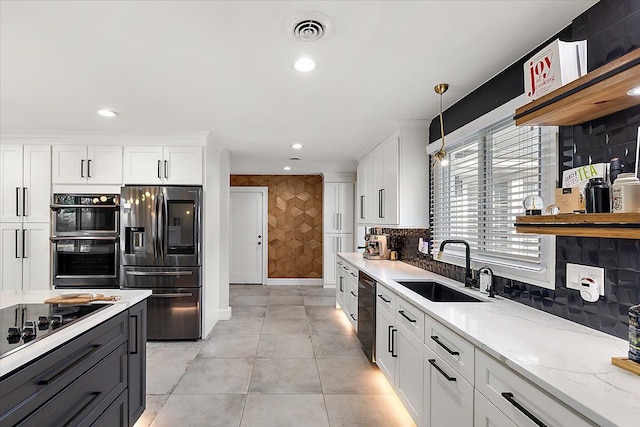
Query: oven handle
159, 273
176, 295
107, 238
56, 207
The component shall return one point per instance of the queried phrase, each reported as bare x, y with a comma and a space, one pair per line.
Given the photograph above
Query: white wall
225, 203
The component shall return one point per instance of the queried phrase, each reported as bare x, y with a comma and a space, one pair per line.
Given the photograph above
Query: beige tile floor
286, 358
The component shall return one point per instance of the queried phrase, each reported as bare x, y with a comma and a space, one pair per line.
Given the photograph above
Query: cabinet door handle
352, 293
353, 317
133, 334
340, 221
88, 352
341, 285
380, 203
433, 363
82, 168
24, 243
407, 317
383, 203
393, 343
441, 344
24, 201
512, 400
340, 243
389, 342
17, 201
166, 169
16, 247
361, 207
89, 168
383, 298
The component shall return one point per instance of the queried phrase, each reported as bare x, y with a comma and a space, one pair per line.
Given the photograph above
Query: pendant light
440, 155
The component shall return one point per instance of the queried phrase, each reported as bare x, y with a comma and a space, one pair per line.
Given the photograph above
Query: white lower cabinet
24, 256
409, 373
347, 290
385, 343
522, 402
485, 413
448, 396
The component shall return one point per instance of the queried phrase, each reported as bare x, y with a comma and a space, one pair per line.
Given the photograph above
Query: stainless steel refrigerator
161, 250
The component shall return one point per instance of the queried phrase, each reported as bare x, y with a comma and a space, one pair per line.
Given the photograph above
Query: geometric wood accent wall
295, 223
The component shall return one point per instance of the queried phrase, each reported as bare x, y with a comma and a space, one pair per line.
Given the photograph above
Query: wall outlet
576, 272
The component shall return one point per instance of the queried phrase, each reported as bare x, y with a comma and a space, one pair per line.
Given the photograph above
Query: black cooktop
25, 324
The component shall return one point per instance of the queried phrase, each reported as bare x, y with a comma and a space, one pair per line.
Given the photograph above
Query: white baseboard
295, 282
224, 313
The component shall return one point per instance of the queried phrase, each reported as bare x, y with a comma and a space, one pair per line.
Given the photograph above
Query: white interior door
248, 237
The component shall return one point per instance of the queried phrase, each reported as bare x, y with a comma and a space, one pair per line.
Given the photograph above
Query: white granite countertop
36, 349
570, 361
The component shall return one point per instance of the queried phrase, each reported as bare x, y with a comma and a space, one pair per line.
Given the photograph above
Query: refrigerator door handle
159, 273
154, 228
161, 229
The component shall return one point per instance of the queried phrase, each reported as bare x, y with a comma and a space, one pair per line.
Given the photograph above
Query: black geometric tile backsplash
611, 28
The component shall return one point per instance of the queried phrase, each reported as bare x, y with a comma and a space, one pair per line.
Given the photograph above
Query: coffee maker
376, 246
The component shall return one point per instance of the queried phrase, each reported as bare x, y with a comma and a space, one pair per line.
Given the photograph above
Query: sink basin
437, 292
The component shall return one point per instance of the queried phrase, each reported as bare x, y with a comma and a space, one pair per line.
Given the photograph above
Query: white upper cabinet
25, 183
393, 181
81, 164
338, 207
181, 165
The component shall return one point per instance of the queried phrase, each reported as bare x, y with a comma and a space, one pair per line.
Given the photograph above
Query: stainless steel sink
437, 292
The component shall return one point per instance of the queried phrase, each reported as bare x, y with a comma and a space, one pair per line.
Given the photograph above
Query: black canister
597, 196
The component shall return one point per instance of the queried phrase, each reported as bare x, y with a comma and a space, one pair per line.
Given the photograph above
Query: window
478, 194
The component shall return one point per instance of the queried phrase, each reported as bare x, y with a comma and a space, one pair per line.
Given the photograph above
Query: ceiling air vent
309, 26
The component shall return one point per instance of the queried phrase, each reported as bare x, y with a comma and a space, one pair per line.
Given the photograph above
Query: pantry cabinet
393, 181
332, 244
171, 165
25, 183
24, 256
337, 207
82, 164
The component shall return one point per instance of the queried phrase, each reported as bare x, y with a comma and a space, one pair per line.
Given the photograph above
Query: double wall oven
161, 240
85, 239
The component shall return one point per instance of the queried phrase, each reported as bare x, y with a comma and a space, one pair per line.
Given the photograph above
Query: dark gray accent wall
611, 28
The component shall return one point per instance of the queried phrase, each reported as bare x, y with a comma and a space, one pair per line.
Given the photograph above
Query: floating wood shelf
601, 92
613, 225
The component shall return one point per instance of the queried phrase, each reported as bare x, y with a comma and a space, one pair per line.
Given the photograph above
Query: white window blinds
477, 195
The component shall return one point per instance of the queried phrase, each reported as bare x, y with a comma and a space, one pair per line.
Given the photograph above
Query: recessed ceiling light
286, 168
296, 146
304, 65
107, 113
634, 92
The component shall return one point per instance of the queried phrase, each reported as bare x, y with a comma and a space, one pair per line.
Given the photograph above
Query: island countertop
15, 360
569, 361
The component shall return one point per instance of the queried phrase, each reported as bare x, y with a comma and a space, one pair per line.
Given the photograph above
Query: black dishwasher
367, 314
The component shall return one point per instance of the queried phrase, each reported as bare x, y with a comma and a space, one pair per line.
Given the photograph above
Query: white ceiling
225, 67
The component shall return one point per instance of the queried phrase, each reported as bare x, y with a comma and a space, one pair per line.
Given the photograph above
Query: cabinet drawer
410, 316
518, 399
85, 399
451, 347
26, 389
385, 299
